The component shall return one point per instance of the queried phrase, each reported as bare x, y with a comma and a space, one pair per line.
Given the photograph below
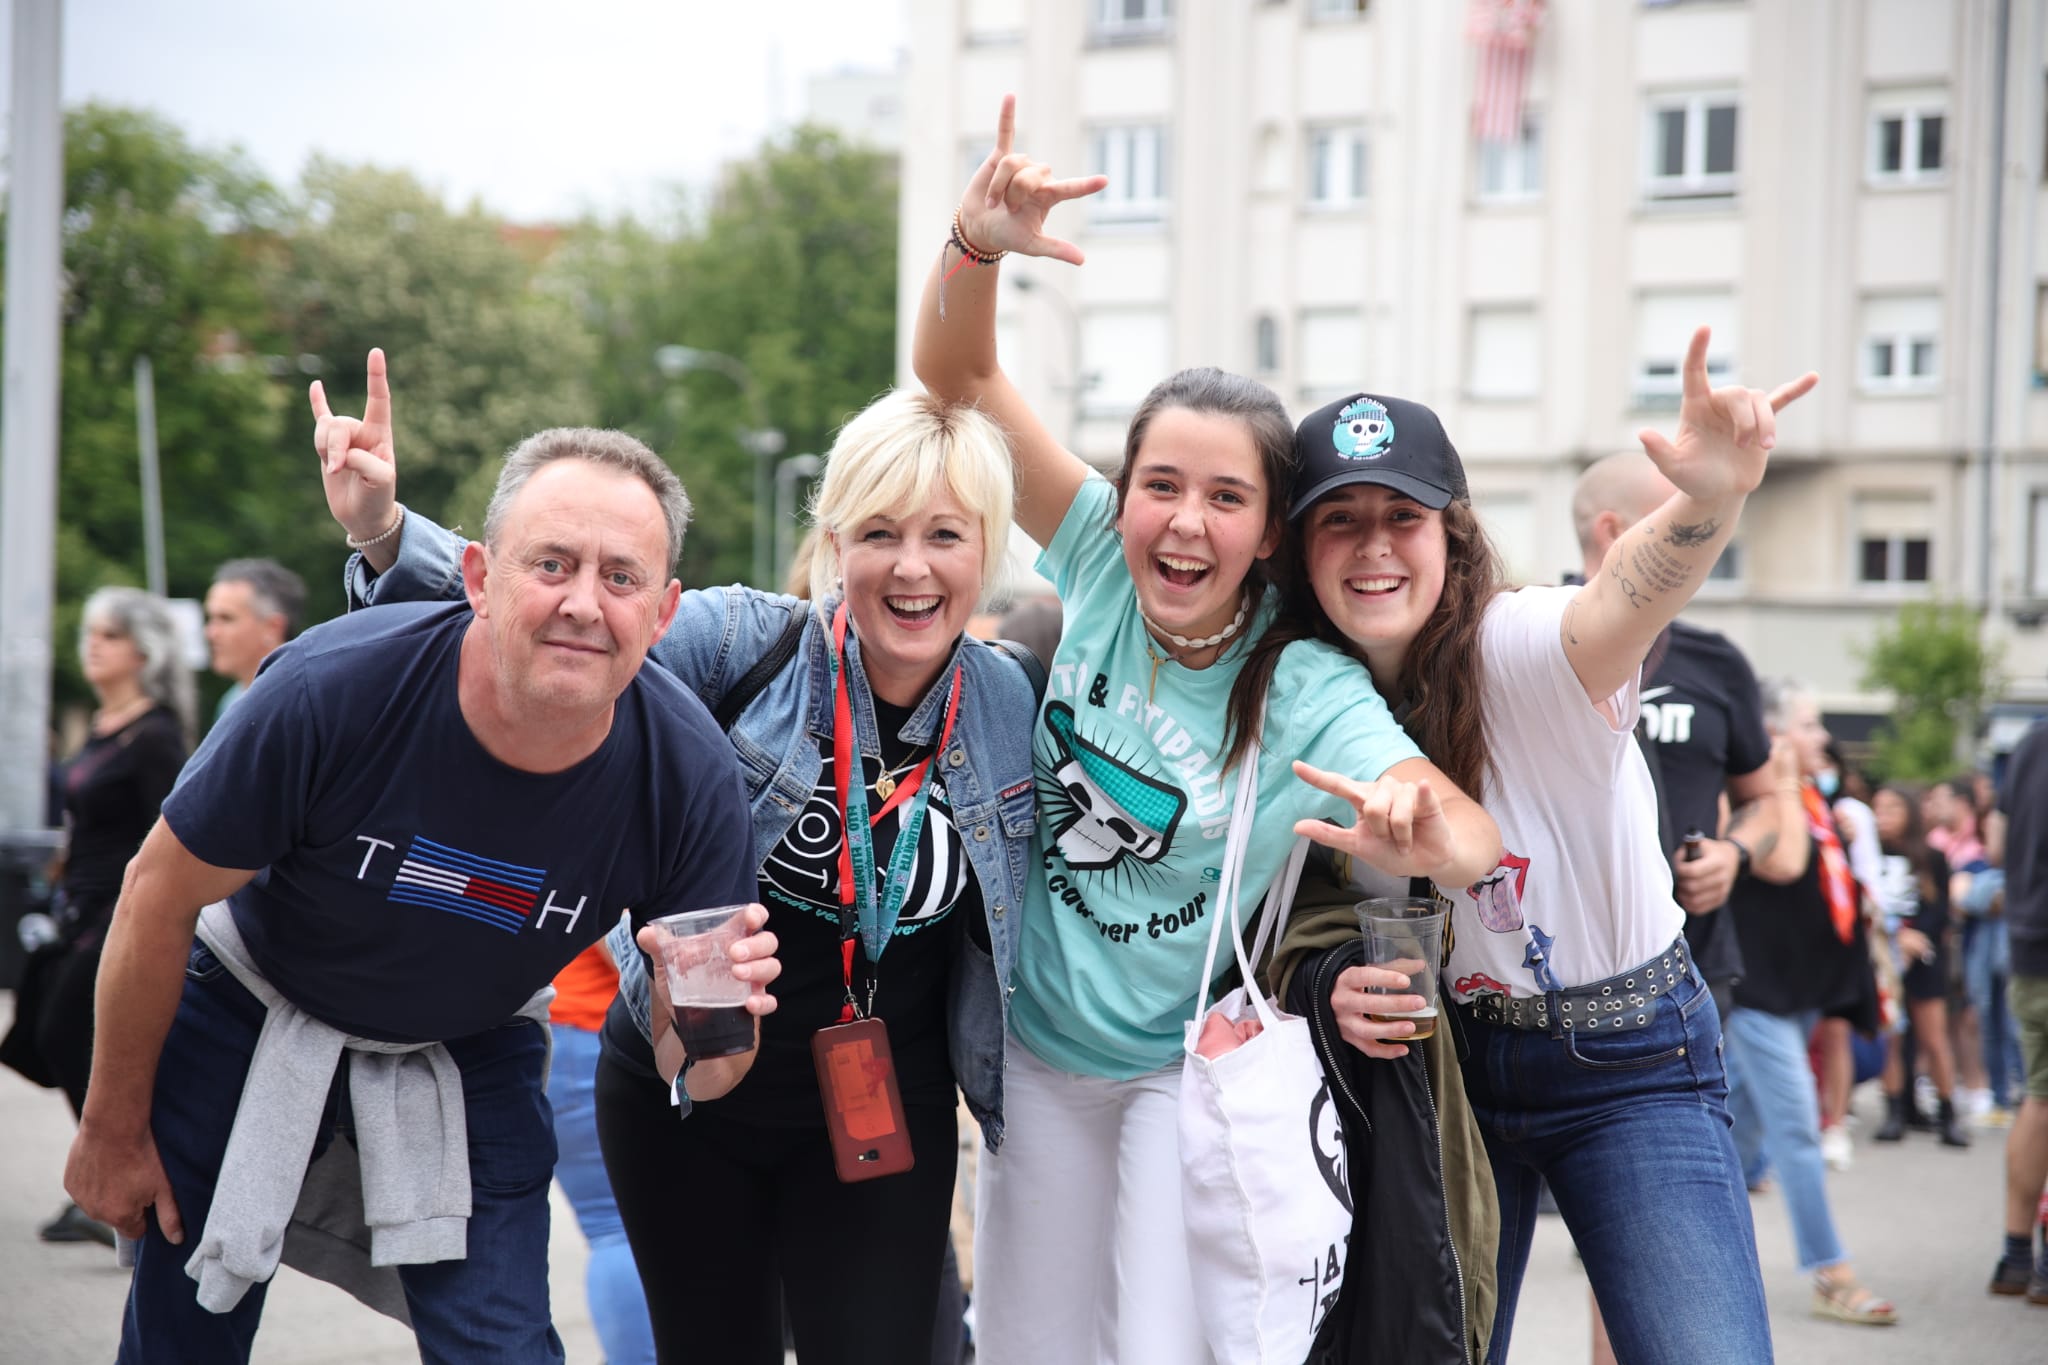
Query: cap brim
1428, 494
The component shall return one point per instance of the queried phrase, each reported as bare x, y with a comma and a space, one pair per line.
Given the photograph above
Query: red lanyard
856, 856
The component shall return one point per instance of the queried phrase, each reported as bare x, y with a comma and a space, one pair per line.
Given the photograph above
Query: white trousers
1080, 1254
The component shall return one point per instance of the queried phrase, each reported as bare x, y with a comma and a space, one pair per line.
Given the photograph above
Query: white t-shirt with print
1583, 891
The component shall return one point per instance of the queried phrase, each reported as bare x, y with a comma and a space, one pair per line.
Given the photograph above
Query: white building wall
1806, 253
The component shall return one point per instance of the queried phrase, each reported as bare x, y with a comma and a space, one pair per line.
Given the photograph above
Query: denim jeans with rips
1631, 1132
491, 1306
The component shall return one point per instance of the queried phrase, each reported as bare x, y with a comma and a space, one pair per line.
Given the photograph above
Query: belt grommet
1642, 1019
1629, 984
1607, 990
1592, 1023
1567, 1007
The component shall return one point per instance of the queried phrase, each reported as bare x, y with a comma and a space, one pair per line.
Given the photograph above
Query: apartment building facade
1852, 186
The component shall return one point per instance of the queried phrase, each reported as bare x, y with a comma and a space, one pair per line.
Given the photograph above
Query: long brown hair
1213, 392
1443, 674
1912, 842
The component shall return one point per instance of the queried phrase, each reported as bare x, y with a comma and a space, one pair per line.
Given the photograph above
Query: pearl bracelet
381, 536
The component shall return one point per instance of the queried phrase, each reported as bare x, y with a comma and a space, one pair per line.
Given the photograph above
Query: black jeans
728, 1219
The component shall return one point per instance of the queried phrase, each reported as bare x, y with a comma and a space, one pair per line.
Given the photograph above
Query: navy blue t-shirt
414, 888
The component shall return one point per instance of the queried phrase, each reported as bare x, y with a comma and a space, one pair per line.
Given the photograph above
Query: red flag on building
1504, 31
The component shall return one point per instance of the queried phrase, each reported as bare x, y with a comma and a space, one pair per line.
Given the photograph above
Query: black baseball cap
1371, 438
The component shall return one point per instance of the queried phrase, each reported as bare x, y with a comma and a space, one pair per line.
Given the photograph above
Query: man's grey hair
146, 620
274, 590
612, 450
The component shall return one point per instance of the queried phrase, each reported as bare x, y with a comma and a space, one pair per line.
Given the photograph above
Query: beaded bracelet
972, 253
381, 536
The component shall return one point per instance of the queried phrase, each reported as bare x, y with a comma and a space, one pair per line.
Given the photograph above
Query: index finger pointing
1792, 392
1006, 125
377, 412
1329, 782
1696, 382
318, 395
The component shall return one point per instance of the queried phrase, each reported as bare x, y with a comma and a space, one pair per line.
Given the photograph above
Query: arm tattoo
1693, 536
1763, 847
1571, 609
1635, 598
1657, 569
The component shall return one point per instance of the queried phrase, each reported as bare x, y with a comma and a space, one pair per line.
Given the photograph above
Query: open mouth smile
1181, 572
914, 611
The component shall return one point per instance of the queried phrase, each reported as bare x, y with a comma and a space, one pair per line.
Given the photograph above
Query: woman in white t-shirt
1079, 1251
1594, 1058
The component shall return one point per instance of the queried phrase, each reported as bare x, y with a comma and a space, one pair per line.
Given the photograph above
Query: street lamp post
788, 474
762, 442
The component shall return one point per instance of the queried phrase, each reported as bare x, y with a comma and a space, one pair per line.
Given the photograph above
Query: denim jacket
717, 635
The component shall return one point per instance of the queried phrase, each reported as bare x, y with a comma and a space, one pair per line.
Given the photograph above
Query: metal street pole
30, 350
762, 444
152, 482
788, 474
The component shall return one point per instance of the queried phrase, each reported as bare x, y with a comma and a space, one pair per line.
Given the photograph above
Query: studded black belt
1627, 1000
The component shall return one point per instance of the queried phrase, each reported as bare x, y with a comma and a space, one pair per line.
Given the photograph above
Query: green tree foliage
481, 353
793, 273
163, 247
1934, 662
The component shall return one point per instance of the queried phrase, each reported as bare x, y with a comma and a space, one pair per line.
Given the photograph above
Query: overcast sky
542, 107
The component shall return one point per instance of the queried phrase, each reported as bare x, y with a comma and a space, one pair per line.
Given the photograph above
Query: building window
1329, 360
1134, 159
1122, 21
1901, 344
993, 21
1124, 351
1690, 144
1665, 320
2037, 544
1893, 533
1336, 167
1503, 354
1905, 140
1510, 172
1266, 344
1337, 9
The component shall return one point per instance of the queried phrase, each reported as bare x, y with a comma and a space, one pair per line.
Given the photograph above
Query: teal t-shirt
1133, 810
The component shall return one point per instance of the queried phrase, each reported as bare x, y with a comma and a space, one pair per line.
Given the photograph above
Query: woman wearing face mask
1146, 726
738, 1209
1593, 1045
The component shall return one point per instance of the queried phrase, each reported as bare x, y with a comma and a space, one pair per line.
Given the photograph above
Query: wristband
678, 1094
381, 536
1741, 858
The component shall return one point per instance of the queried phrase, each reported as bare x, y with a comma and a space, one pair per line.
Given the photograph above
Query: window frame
1107, 25
1904, 348
1524, 155
1358, 162
1911, 114
1897, 546
1693, 183
1108, 209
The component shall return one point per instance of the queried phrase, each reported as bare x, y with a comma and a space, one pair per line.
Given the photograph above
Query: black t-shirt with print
800, 887
1703, 713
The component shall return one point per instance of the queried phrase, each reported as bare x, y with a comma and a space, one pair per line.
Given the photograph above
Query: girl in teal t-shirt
1148, 717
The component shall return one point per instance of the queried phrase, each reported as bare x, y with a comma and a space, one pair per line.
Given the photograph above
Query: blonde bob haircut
896, 454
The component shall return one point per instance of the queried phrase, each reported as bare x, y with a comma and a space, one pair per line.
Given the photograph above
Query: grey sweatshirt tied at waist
411, 1132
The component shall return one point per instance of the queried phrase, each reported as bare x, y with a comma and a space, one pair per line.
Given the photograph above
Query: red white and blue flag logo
499, 894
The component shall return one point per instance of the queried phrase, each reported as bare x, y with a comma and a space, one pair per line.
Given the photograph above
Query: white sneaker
1925, 1098
1836, 1149
1973, 1104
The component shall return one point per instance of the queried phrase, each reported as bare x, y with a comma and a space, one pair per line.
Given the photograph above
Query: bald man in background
1704, 727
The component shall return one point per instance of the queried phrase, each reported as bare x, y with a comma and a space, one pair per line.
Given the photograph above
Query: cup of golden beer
1405, 934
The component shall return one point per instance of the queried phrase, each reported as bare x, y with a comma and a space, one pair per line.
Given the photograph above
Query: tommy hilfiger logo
499, 894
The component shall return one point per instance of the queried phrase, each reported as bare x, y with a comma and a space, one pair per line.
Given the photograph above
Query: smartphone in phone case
863, 1110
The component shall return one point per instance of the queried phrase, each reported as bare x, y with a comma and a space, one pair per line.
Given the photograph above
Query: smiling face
1375, 559
911, 582
1196, 516
575, 590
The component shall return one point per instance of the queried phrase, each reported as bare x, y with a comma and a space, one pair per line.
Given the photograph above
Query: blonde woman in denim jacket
914, 515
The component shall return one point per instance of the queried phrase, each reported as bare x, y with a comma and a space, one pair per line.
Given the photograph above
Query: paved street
1921, 1221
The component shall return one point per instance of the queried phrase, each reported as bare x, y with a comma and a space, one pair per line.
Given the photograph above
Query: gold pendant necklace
885, 785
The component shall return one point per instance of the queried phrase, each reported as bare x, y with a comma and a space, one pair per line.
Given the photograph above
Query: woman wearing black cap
1594, 1059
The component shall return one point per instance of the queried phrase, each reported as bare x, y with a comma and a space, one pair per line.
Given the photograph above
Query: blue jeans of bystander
1777, 1122
1630, 1129
491, 1306
618, 1305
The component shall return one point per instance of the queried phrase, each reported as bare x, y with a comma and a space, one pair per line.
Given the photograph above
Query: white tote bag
1262, 1187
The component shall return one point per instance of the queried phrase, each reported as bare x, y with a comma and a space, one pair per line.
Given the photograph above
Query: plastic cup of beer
1406, 934
707, 1002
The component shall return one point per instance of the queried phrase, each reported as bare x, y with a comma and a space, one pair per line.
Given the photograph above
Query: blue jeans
1987, 965
618, 1305
1631, 1131
1777, 1122
490, 1307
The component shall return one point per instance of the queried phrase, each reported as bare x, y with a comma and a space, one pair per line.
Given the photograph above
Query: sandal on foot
1849, 1301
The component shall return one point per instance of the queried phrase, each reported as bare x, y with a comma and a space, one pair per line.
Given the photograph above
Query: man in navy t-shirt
416, 817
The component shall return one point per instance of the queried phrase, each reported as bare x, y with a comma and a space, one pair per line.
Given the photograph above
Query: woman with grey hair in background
141, 732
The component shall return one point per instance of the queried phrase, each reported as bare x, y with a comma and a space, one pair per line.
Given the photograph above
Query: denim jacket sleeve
429, 568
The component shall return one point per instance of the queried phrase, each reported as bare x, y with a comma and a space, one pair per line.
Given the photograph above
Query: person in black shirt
2024, 803
112, 789
1912, 890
